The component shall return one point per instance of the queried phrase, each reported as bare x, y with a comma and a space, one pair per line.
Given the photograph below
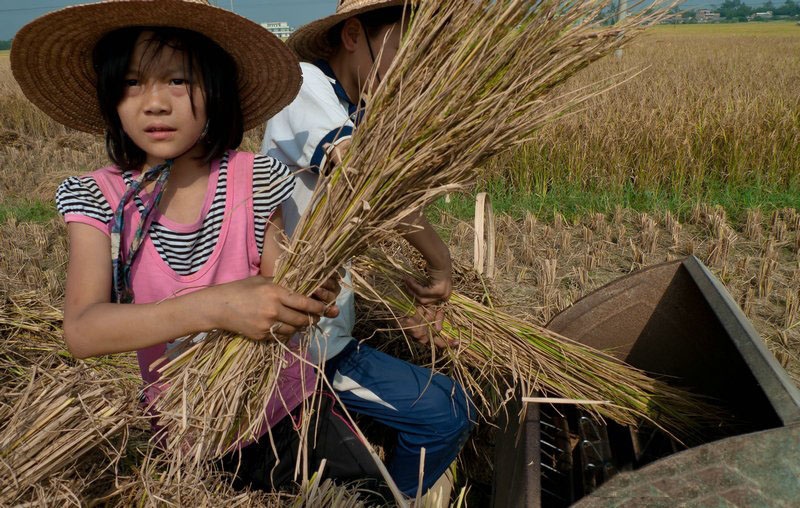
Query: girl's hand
259, 309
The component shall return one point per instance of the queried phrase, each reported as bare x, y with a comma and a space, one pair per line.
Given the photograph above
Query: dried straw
472, 79
31, 335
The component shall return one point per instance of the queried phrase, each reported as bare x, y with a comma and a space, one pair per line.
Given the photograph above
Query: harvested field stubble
541, 272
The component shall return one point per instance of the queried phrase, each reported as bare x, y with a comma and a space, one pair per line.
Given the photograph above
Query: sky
14, 14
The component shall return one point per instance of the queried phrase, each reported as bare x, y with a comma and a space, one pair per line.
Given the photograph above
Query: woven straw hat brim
51, 57
310, 41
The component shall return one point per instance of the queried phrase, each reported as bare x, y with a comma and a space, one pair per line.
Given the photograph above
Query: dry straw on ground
154, 485
53, 420
478, 80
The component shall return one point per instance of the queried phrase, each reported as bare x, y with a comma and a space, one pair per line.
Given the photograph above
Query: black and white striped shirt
187, 252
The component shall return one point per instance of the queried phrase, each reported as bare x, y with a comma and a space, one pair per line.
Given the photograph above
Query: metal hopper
676, 320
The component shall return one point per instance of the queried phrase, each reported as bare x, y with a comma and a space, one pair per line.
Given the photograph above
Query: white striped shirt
187, 252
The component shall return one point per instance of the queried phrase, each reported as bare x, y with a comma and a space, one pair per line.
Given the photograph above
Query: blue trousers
427, 410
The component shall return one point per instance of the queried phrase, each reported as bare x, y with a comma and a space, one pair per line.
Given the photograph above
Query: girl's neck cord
121, 264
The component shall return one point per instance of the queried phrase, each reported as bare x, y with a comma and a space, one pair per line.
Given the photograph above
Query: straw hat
310, 41
52, 56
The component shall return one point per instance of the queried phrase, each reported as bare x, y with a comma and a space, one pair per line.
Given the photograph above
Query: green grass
568, 200
573, 202
27, 211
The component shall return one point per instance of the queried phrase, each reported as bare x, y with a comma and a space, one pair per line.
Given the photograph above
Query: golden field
713, 116
712, 105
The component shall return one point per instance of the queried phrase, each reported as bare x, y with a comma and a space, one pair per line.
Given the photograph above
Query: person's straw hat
310, 41
51, 57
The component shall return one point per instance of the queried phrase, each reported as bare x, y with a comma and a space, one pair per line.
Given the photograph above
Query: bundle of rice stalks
498, 354
472, 79
52, 421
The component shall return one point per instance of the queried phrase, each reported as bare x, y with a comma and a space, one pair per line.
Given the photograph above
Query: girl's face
156, 107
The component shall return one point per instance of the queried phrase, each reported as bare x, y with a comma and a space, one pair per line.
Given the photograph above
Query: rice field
714, 111
697, 155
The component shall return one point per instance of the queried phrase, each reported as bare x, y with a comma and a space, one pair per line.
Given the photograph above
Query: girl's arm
93, 326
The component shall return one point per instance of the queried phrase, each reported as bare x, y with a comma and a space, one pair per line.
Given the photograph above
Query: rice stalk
472, 79
499, 354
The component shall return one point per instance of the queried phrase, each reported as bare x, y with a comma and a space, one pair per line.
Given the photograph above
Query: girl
180, 225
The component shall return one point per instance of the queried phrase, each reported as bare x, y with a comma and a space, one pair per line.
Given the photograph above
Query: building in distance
707, 16
280, 29
762, 15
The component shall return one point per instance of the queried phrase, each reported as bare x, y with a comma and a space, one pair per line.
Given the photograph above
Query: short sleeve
79, 199
298, 134
273, 183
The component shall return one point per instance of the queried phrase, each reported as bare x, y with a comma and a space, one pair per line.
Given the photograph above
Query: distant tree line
735, 10
5, 45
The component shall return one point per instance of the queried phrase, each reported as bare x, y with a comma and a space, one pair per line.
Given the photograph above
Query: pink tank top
235, 257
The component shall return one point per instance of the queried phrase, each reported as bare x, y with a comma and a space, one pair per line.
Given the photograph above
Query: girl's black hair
203, 60
372, 21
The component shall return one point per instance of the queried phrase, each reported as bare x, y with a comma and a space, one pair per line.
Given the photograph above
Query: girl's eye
131, 82
179, 82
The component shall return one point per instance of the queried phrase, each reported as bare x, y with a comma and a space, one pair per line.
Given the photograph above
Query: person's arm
421, 235
93, 326
425, 324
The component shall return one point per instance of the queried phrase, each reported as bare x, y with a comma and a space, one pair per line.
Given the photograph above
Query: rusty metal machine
675, 320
